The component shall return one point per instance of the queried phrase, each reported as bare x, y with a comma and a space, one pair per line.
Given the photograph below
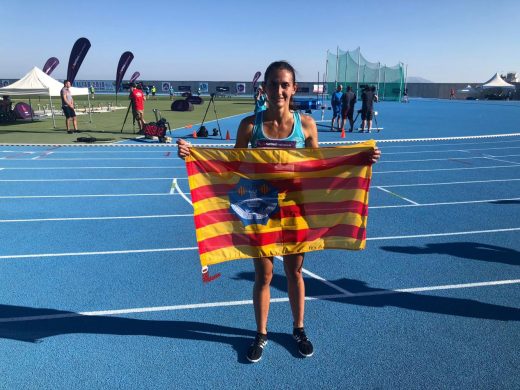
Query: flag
77, 55
135, 76
256, 77
50, 65
252, 203
124, 61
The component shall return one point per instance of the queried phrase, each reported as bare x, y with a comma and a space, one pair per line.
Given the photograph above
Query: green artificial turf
108, 124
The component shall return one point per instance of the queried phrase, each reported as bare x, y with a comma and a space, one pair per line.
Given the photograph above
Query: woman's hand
375, 155
183, 148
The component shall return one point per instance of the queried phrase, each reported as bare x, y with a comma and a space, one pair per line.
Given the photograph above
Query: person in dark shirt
368, 97
348, 100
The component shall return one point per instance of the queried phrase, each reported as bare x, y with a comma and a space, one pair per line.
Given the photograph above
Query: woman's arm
245, 132
310, 130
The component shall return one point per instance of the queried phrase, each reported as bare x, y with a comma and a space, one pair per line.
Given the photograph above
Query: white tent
38, 83
497, 82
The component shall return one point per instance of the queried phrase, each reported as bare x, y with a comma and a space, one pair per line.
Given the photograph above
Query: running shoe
254, 353
304, 344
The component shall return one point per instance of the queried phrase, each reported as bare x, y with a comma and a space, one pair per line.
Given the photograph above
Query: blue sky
207, 40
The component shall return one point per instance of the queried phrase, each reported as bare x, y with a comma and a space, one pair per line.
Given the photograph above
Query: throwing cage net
351, 68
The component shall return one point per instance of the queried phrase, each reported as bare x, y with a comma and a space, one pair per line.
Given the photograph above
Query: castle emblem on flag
253, 201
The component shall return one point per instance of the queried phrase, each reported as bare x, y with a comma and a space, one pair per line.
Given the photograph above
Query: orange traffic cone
194, 134
343, 133
228, 137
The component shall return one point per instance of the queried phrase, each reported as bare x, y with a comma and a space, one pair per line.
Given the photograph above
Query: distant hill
414, 79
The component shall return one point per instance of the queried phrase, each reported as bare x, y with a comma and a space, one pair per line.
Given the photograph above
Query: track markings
130, 251
250, 302
397, 195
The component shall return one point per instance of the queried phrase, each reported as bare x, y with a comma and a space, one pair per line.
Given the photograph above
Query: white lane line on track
74, 168
445, 169
95, 218
397, 195
493, 158
79, 196
90, 159
370, 207
443, 151
445, 203
123, 149
514, 165
448, 183
129, 251
483, 157
250, 302
74, 180
313, 275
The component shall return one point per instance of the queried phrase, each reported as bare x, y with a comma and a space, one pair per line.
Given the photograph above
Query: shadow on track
465, 250
36, 330
377, 297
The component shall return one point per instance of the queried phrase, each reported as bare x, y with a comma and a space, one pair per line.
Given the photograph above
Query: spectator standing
67, 105
335, 102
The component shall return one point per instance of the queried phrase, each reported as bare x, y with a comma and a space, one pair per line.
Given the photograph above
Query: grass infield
108, 124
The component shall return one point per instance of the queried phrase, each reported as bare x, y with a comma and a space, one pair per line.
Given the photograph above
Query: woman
281, 127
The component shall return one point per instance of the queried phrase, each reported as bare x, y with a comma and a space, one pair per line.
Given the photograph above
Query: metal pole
358, 67
378, 75
384, 83
52, 110
89, 110
337, 67
400, 81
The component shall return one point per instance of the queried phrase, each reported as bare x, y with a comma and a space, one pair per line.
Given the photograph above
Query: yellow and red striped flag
267, 202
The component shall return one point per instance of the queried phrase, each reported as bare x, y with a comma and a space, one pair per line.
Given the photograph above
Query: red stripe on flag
215, 166
317, 208
289, 185
286, 237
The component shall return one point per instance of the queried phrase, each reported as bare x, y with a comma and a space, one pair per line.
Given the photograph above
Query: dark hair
373, 88
66, 81
349, 88
281, 65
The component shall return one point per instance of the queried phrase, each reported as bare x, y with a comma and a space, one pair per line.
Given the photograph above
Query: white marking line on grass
250, 302
36, 255
397, 195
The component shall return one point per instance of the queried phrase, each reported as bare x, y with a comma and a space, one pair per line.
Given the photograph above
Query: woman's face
279, 88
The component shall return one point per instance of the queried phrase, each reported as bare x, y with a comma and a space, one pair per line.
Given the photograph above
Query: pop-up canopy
497, 82
38, 83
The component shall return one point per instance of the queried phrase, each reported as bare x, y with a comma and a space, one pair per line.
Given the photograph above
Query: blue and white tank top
295, 140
